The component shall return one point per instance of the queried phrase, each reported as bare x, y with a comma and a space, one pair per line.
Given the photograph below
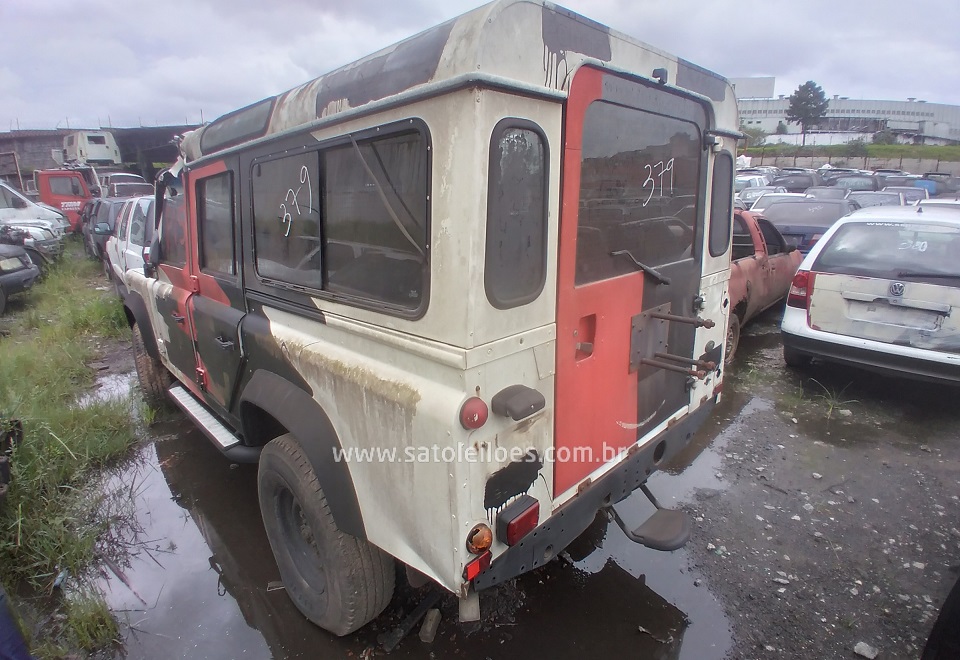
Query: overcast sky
104, 62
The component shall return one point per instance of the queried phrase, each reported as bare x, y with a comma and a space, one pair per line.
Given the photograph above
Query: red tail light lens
518, 519
799, 294
473, 413
477, 566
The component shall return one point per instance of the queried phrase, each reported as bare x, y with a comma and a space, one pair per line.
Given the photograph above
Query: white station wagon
881, 291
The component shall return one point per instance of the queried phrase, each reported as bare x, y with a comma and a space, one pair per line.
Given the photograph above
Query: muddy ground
826, 515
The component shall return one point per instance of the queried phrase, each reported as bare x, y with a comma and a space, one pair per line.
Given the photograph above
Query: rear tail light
799, 295
473, 413
518, 519
477, 566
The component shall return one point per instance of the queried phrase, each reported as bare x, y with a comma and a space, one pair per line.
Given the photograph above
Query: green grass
54, 513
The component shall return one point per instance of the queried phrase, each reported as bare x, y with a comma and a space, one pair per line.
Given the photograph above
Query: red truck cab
67, 189
762, 266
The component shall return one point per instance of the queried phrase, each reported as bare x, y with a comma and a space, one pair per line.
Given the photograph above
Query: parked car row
36, 228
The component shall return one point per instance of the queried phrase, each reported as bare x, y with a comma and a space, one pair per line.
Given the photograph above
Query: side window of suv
215, 224
365, 238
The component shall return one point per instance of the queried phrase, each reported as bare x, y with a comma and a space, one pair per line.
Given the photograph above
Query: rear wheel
794, 359
336, 580
733, 338
153, 376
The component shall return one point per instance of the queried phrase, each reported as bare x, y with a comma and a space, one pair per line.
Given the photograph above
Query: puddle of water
198, 584
110, 387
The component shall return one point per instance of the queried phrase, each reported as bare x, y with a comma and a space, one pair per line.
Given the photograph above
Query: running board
210, 425
666, 529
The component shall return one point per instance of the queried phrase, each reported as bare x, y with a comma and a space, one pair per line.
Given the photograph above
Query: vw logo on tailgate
896, 288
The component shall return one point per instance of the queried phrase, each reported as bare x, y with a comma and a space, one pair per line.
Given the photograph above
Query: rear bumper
559, 530
871, 359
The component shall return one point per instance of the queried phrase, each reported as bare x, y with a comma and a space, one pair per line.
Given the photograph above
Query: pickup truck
763, 265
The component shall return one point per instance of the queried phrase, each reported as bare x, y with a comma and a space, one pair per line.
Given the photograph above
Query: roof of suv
905, 214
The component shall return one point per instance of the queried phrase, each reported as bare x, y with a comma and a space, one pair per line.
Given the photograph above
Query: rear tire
337, 581
794, 359
733, 338
153, 376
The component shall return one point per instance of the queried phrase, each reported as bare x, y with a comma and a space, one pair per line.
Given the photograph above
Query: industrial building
911, 121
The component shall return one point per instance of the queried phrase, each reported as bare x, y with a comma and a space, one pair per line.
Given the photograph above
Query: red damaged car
764, 264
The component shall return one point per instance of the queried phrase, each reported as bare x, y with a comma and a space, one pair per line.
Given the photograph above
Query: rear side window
365, 237
516, 250
215, 224
721, 205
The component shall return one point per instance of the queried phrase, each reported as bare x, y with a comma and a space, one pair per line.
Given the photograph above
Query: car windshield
751, 194
821, 192
815, 213
892, 250
770, 198
911, 194
865, 199
854, 183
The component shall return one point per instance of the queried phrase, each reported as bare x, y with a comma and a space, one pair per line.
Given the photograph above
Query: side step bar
219, 434
666, 529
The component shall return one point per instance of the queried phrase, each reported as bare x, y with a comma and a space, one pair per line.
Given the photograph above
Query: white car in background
134, 231
881, 291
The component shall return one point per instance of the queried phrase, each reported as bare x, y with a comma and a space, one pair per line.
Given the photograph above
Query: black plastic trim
887, 364
309, 424
559, 530
134, 303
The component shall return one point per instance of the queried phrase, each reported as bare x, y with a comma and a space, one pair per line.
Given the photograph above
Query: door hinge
194, 284
202, 378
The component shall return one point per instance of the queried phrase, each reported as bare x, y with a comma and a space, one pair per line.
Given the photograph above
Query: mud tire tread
359, 576
153, 376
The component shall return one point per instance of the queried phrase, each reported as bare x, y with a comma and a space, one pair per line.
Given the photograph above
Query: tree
886, 136
781, 128
808, 106
755, 136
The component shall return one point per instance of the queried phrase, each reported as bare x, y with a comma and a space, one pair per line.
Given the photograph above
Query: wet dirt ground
826, 514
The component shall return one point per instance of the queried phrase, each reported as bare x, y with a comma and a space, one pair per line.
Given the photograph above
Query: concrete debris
817, 475
865, 650
431, 621
781, 581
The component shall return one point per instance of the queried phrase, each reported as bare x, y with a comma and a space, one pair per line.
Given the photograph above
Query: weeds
832, 397
55, 512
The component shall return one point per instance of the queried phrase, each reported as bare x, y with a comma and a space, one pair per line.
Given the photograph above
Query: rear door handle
225, 344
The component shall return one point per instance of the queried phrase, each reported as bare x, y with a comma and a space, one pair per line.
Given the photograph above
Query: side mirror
791, 244
151, 256
19, 203
102, 229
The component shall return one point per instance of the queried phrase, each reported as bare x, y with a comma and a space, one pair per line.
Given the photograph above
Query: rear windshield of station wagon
889, 250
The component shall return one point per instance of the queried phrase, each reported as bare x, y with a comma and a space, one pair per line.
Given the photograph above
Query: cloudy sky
103, 62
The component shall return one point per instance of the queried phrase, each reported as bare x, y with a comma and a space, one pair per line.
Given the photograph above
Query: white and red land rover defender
455, 298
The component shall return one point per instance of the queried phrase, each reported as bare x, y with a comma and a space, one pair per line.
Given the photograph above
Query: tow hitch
666, 529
